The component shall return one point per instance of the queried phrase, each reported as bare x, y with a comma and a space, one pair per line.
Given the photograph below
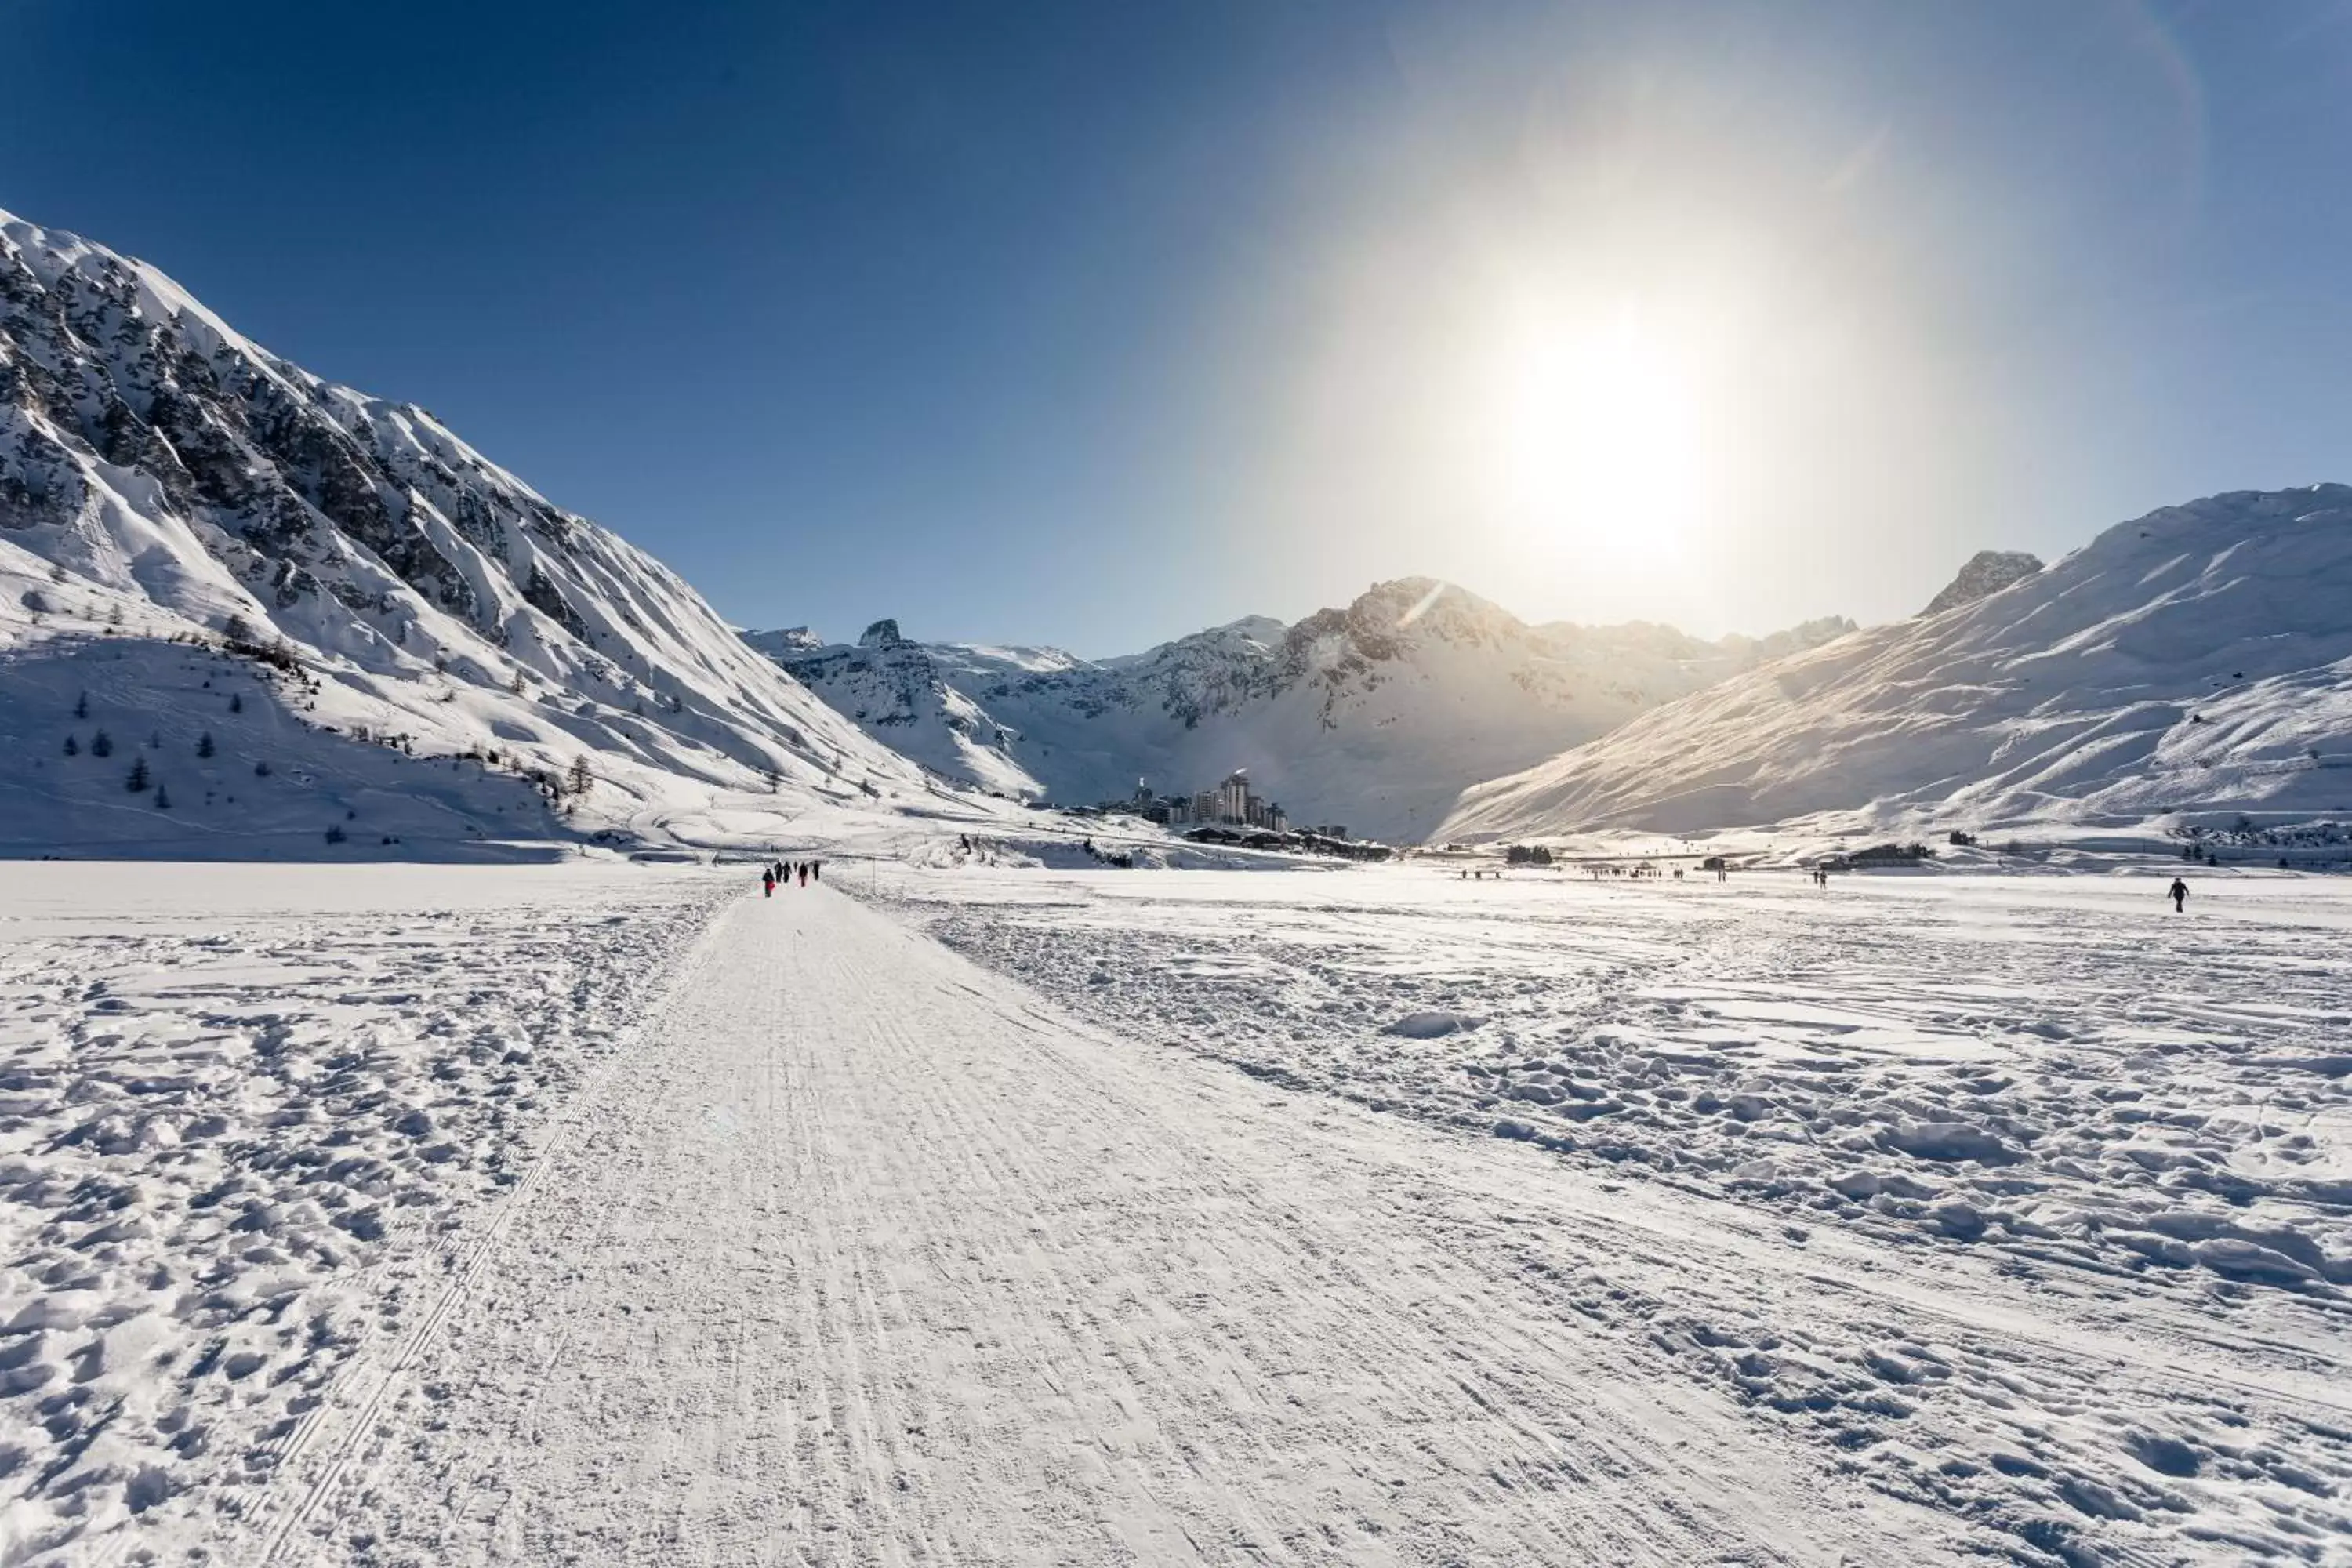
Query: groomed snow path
868, 1256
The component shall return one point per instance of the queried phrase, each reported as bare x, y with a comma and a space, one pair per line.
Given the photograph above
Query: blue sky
1097, 324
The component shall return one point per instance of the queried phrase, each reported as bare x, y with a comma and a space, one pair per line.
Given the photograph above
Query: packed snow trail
870, 1256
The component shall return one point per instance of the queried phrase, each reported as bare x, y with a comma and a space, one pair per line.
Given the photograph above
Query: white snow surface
612, 1213
2183, 669
243, 1123
165, 482
2019, 1200
1375, 716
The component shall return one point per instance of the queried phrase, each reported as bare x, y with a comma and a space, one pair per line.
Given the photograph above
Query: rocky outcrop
1987, 572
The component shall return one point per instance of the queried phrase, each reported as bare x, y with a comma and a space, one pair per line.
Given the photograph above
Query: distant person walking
803, 873
816, 869
767, 884
2178, 894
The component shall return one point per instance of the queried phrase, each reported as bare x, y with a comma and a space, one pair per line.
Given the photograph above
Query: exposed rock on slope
161, 473
1987, 572
1374, 717
2198, 660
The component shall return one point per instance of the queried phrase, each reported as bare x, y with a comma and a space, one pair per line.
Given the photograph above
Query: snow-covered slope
163, 478
2198, 660
1374, 717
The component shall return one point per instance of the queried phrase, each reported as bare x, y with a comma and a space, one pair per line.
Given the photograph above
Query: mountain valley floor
609, 1214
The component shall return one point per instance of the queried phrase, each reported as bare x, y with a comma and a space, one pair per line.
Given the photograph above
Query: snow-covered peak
784, 639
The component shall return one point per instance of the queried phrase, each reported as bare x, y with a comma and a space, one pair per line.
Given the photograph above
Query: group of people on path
784, 871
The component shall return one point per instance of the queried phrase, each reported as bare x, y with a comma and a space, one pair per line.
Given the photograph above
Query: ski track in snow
856, 1252
244, 1122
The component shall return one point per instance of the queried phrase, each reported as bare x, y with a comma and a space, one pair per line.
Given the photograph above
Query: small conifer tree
205, 744
137, 780
73, 747
101, 744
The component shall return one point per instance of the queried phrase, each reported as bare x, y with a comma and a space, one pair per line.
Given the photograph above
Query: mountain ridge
176, 480
2190, 664
1373, 715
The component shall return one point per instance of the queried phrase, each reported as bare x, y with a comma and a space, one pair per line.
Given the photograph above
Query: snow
597, 1212
2186, 668
243, 1123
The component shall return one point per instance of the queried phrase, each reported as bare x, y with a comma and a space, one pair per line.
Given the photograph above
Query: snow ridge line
472, 1256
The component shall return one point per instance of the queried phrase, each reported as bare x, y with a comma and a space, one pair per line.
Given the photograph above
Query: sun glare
1602, 459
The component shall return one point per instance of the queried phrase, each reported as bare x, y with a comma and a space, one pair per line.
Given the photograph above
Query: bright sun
1602, 457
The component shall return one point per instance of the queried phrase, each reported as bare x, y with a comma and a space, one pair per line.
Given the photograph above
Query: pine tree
582, 778
137, 780
101, 744
261, 770
205, 744
162, 798
81, 706
237, 703
73, 747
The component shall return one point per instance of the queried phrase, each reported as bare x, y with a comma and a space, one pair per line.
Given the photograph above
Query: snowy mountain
2197, 662
1374, 717
231, 566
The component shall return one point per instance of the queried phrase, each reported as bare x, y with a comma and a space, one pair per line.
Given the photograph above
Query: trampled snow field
608, 1215
251, 1119
2021, 1198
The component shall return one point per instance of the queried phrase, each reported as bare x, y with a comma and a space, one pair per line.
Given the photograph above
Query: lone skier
2178, 894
